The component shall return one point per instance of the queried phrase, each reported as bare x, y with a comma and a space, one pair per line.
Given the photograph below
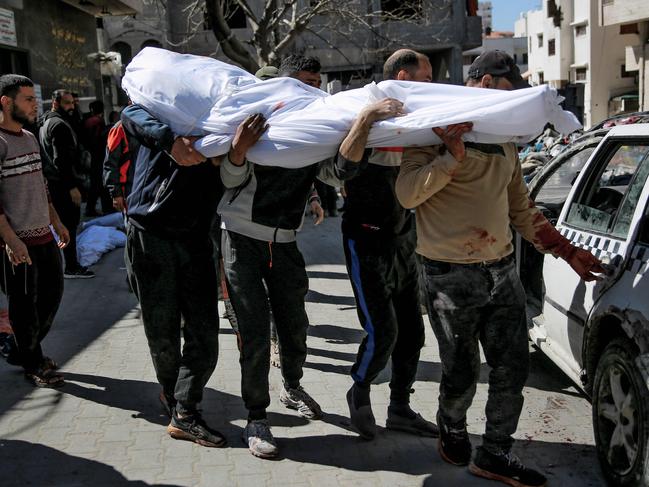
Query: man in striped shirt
31, 265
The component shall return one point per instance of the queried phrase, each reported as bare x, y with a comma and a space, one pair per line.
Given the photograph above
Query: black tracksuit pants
171, 277
386, 288
33, 293
70, 215
249, 263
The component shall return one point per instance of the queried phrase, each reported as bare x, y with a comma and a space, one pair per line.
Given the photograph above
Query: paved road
105, 428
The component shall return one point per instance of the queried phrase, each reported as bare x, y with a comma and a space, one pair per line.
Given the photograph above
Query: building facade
516, 47
570, 49
631, 15
485, 10
442, 29
55, 43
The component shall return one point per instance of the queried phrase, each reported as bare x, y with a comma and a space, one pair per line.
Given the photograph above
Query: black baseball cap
497, 63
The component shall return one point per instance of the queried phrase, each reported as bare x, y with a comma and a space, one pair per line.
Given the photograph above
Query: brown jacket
464, 210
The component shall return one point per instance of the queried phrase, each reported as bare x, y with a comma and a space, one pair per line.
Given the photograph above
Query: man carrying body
261, 211
170, 263
61, 155
33, 279
379, 241
466, 195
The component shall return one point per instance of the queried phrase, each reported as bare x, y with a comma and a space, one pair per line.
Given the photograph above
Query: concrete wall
623, 11
443, 33
57, 39
606, 60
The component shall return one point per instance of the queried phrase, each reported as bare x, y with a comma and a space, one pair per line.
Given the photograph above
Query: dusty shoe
274, 354
45, 378
300, 400
259, 439
454, 445
411, 422
362, 418
505, 467
193, 428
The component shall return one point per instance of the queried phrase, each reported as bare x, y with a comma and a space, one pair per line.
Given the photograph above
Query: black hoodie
60, 151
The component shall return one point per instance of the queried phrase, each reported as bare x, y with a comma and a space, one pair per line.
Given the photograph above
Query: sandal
45, 378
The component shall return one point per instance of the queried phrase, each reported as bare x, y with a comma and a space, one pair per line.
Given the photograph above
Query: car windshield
555, 190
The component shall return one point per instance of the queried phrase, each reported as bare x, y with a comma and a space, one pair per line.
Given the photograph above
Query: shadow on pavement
52, 467
397, 452
336, 334
544, 375
316, 297
89, 308
328, 275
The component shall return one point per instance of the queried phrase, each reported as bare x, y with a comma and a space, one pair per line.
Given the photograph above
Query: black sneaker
453, 445
79, 273
193, 428
412, 423
361, 418
505, 467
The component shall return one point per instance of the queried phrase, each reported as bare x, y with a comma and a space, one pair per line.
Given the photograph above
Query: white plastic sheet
202, 96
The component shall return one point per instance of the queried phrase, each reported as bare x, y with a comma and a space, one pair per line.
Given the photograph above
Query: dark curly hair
295, 62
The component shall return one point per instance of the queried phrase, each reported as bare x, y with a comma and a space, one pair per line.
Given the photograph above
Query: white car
598, 332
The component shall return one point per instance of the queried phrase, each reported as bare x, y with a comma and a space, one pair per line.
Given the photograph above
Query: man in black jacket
169, 263
61, 161
379, 240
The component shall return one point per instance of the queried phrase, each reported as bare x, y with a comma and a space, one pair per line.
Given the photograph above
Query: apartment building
570, 49
485, 11
631, 16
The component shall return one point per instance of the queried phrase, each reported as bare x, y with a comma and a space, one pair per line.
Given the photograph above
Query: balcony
623, 11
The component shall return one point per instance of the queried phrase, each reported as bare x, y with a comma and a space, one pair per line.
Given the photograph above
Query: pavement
106, 428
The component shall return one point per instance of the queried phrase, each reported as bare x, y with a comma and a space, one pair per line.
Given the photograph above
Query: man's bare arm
353, 146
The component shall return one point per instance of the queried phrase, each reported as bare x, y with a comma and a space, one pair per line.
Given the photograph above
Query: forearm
54, 216
6, 232
353, 147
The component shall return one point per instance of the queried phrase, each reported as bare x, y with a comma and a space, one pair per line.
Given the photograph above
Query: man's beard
20, 116
67, 114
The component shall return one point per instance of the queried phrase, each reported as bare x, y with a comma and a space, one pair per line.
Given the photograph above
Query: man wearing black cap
466, 196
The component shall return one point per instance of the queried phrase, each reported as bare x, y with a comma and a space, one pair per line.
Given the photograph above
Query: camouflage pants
480, 303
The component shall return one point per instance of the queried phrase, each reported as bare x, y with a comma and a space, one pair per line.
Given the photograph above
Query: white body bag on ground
201, 96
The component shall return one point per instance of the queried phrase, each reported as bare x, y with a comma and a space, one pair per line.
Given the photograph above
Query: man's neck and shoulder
14, 136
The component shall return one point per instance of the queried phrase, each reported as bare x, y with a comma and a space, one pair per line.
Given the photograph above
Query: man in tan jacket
466, 196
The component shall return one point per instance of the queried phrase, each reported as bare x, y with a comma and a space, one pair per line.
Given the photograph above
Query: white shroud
197, 95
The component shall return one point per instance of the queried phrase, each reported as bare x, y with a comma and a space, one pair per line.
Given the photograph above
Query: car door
598, 216
550, 190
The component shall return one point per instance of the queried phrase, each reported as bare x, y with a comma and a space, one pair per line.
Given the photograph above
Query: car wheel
621, 416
